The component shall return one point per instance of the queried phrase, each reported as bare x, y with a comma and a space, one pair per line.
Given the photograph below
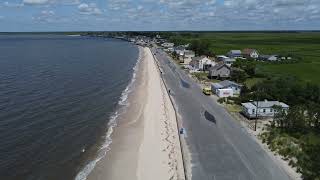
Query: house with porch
226, 60
226, 86
219, 71
250, 53
187, 57
202, 63
261, 109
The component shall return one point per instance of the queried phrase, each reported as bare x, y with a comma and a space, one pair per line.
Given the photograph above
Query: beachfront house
219, 71
226, 60
179, 50
202, 63
250, 53
167, 45
268, 57
187, 57
235, 54
223, 88
261, 109
229, 61
221, 58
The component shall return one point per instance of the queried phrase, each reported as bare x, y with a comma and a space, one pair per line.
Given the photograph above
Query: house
202, 63
167, 45
187, 57
221, 57
226, 60
250, 53
229, 61
226, 88
268, 57
179, 50
220, 70
261, 109
235, 54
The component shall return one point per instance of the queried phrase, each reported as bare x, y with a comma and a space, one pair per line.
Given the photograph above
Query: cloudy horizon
158, 15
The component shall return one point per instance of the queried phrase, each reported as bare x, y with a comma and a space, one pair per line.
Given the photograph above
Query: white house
167, 45
187, 57
261, 108
250, 53
226, 60
179, 50
223, 87
268, 57
202, 63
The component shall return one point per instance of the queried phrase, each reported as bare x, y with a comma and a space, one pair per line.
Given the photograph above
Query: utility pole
255, 121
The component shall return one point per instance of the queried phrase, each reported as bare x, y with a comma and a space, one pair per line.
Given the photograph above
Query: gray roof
248, 105
268, 56
225, 83
180, 48
268, 104
235, 52
229, 60
264, 104
218, 66
188, 52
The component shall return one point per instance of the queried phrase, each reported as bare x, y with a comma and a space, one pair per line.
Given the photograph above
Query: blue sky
71, 15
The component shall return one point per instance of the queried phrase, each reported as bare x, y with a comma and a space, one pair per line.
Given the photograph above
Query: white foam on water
82, 175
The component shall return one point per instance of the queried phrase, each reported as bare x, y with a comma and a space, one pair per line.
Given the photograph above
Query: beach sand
145, 143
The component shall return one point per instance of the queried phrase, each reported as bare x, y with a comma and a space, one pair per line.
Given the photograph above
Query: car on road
207, 91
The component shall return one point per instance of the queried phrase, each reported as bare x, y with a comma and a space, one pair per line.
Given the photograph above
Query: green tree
238, 75
279, 116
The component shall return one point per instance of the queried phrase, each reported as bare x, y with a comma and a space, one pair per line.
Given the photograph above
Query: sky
158, 15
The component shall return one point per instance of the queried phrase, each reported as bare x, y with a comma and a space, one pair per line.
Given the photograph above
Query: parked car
207, 91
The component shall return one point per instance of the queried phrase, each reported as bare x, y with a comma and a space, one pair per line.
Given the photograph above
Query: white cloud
45, 2
35, 2
90, 9
10, 4
45, 16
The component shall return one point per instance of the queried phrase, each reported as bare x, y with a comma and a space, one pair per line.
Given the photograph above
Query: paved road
220, 148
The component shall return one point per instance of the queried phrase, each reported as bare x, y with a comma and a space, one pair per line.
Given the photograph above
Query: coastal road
220, 148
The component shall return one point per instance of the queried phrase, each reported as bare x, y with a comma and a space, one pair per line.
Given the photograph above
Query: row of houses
254, 54
254, 109
220, 67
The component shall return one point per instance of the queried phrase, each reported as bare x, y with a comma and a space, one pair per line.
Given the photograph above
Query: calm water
57, 94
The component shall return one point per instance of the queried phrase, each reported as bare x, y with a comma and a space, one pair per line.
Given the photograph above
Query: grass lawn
203, 76
309, 72
233, 107
303, 45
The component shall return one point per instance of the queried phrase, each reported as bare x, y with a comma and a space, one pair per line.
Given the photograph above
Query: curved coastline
145, 142
123, 104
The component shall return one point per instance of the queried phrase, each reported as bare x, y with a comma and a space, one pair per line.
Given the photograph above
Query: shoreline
104, 147
145, 142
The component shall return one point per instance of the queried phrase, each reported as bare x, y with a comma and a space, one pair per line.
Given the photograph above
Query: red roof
248, 51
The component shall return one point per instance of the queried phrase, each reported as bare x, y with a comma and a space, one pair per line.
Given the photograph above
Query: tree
201, 47
296, 119
248, 66
238, 75
279, 116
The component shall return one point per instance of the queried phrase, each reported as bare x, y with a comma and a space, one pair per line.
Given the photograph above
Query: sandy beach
145, 143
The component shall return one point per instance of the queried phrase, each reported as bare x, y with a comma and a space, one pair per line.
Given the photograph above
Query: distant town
282, 110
